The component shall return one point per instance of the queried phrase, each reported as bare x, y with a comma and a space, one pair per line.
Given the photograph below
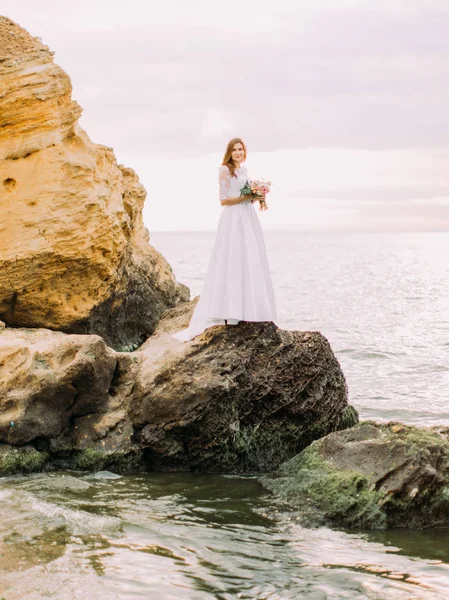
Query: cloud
215, 123
343, 104
293, 75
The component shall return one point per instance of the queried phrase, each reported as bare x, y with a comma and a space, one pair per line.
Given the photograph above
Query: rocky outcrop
237, 398
234, 399
74, 253
369, 476
81, 289
59, 397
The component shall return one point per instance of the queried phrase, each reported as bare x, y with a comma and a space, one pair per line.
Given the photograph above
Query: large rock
234, 399
47, 379
62, 397
237, 398
74, 253
370, 476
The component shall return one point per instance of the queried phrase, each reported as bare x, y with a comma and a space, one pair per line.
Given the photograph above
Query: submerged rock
107, 475
60, 481
370, 476
74, 252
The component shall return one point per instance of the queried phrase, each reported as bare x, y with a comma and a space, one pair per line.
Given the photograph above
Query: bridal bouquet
257, 188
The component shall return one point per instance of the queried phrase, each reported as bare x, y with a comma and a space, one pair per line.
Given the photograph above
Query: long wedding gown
237, 286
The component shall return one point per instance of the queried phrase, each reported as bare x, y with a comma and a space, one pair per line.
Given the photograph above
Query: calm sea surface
382, 300
383, 303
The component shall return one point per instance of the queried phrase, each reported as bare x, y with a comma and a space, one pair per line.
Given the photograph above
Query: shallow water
383, 303
70, 535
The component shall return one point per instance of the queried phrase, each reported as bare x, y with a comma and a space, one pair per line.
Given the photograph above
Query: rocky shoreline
373, 475
232, 400
91, 377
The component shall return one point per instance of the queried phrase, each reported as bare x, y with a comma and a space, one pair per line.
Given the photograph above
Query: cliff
74, 253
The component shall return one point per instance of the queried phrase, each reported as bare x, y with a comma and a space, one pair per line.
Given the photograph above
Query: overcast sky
344, 105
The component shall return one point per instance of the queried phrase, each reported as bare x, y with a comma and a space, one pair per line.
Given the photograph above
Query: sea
382, 301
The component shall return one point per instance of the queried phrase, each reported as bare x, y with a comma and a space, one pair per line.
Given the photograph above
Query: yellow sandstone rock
74, 253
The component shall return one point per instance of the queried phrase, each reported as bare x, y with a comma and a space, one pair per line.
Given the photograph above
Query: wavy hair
227, 158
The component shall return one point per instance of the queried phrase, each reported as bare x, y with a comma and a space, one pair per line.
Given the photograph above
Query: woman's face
238, 153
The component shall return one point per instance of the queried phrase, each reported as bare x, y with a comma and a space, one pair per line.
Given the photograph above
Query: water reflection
194, 536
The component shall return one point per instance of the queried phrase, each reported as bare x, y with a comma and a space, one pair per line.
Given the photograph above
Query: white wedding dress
237, 286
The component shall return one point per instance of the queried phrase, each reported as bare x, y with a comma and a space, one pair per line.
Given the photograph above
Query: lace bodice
229, 187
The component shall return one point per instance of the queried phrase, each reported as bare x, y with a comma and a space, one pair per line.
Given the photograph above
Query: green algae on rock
235, 399
231, 400
24, 459
27, 459
370, 476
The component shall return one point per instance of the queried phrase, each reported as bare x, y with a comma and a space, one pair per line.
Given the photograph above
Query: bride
237, 286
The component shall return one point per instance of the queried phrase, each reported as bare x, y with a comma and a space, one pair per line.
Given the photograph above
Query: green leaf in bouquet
246, 189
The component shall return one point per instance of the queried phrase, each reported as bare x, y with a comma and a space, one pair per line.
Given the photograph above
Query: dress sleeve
224, 179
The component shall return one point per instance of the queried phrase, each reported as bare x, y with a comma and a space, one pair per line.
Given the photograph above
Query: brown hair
227, 158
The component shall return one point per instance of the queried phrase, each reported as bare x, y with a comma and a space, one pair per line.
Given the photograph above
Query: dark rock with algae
369, 476
234, 399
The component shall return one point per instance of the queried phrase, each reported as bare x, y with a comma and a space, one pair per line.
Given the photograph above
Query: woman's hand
261, 199
262, 202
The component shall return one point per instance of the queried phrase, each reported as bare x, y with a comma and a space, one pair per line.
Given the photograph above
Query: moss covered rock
235, 399
370, 476
24, 459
